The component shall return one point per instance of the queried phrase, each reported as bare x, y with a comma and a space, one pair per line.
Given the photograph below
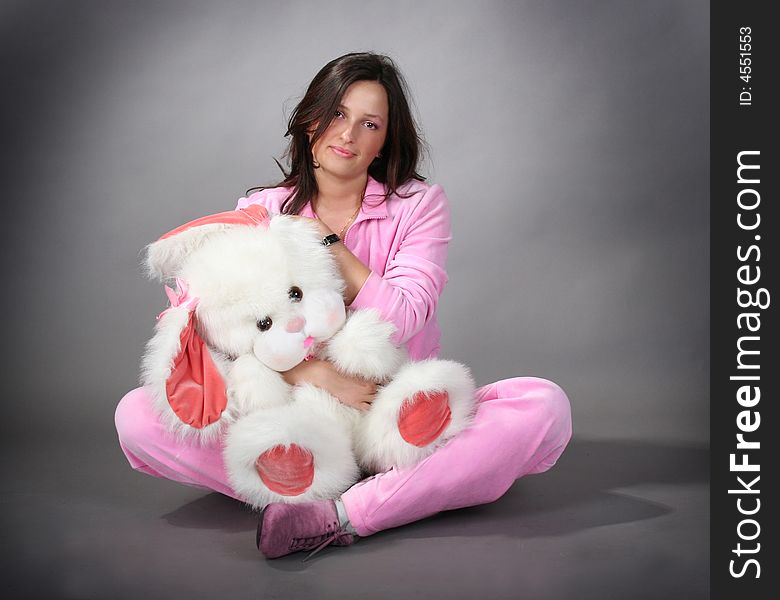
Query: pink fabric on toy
286, 471
423, 418
251, 215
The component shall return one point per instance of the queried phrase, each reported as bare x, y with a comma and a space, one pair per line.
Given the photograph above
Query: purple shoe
287, 528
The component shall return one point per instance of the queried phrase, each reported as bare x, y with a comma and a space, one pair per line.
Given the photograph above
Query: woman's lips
342, 152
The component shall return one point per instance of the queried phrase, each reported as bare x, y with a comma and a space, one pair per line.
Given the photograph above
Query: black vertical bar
744, 228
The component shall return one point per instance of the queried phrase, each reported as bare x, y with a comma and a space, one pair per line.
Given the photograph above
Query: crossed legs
522, 426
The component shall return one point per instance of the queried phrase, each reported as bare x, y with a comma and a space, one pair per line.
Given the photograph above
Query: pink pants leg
149, 448
521, 427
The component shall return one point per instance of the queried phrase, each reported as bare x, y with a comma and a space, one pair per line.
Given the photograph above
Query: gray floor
614, 519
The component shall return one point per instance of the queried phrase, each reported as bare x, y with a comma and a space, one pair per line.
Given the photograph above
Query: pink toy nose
295, 325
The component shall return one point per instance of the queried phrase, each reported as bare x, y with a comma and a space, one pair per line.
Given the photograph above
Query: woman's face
356, 134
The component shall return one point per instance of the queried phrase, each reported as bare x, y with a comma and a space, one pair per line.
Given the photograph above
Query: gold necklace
348, 223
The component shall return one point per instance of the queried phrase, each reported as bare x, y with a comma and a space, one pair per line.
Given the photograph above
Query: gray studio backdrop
571, 138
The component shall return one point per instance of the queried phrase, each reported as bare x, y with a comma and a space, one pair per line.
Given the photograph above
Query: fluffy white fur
243, 276
362, 347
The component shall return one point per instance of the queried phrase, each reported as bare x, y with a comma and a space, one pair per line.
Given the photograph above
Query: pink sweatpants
521, 427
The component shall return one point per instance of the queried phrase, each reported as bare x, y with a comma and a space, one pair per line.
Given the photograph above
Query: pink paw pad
287, 471
424, 417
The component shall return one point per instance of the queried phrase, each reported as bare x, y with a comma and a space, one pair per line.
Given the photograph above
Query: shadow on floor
585, 489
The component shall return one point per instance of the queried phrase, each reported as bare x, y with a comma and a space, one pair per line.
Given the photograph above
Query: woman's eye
338, 113
265, 324
296, 294
370, 125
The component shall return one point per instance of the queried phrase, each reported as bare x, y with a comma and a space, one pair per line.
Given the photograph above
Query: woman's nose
295, 325
346, 133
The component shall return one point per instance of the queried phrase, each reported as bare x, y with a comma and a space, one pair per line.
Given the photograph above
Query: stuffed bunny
254, 297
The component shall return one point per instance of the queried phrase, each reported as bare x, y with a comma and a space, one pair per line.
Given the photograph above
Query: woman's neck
337, 195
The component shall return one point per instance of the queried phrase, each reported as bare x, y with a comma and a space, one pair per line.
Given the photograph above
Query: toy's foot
426, 404
296, 453
286, 471
424, 417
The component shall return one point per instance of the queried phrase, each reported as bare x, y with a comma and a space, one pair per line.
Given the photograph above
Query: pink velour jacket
404, 243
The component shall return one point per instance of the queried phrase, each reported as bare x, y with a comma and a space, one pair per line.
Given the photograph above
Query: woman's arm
351, 391
407, 293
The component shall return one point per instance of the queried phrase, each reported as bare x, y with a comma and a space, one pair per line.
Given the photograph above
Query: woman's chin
343, 170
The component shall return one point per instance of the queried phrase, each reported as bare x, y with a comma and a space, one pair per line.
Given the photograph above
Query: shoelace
307, 543
329, 539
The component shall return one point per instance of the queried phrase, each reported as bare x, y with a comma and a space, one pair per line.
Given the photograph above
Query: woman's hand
353, 391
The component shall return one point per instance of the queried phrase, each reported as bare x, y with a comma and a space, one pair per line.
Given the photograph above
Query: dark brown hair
403, 146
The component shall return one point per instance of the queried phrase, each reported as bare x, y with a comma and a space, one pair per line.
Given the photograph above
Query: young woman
353, 154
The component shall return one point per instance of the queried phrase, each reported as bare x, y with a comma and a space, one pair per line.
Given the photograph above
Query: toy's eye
296, 294
265, 324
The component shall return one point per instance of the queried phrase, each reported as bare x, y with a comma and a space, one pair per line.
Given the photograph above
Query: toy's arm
363, 347
252, 385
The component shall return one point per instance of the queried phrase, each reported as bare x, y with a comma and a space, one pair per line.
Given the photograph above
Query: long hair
399, 157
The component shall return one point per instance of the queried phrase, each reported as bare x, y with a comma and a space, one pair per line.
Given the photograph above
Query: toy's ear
194, 387
184, 379
165, 256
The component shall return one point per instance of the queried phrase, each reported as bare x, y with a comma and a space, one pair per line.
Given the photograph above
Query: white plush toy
255, 297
